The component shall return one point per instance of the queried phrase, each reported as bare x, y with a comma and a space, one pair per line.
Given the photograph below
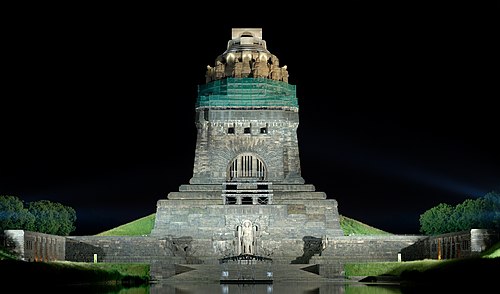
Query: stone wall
34, 246
117, 248
367, 248
161, 254
164, 253
452, 245
280, 229
277, 147
358, 249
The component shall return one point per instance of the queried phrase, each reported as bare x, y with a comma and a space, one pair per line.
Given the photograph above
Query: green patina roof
247, 92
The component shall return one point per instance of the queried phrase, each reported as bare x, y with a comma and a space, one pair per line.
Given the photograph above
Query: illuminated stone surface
247, 164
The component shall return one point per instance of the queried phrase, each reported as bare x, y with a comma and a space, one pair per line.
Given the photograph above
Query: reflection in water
281, 288
277, 288
87, 289
371, 289
135, 290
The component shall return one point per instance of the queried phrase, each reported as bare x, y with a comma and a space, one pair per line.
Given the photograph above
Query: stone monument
247, 194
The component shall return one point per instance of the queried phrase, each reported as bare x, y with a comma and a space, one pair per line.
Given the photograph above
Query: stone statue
247, 237
275, 61
275, 73
219, 70
260, 69
210, 74
238, 66
229, 72
245, 68
284, 74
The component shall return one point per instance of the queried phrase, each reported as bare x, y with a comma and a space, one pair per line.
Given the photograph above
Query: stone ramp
210, 273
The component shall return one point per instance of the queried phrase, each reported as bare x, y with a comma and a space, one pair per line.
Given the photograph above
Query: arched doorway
245, 167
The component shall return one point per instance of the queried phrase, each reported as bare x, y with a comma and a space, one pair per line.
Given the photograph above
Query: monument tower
246, 195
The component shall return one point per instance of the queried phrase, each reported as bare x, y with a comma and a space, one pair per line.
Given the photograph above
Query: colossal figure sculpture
247, 237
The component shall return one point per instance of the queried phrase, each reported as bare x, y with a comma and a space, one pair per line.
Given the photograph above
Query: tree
68, 215
468, 214
13, 215
53, 217
436, 220
480, 213
492, 210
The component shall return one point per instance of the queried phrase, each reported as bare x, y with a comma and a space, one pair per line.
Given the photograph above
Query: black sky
397, 108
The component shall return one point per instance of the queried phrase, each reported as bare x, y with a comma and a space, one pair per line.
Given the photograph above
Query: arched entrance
245, 167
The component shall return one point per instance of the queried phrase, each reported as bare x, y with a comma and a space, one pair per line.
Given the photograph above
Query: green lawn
138, 227
5, 255
493, 252
353, 227
125, 269
387, 268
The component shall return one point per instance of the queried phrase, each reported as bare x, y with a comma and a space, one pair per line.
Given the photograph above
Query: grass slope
388, 268
138, 227
144, 225
353, 227
492, 252
6, 255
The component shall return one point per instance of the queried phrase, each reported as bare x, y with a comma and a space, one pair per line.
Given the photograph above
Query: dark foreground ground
475, 275
49, 277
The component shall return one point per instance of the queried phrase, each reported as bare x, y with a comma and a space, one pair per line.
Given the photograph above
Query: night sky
397, 108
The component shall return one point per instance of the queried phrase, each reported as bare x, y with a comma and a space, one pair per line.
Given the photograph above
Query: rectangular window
230, 200
263, 130
262, 187
231, 187
246, 200
246, 130
230, 130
